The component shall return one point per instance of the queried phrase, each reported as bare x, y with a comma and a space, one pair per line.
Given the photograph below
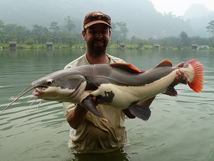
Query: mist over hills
198, 16
197, 11
140, 16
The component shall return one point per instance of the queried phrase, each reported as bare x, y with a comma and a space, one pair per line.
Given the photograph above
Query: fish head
60, 86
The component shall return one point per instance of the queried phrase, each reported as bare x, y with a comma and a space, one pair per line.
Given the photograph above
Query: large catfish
119, 85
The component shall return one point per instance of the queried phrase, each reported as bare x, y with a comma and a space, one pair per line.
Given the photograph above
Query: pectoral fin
89, 105
128, 113
170, 91
140, 111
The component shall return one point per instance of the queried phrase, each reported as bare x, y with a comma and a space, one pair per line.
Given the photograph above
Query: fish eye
50, 81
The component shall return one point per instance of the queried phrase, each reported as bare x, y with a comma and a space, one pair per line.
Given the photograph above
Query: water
180, 128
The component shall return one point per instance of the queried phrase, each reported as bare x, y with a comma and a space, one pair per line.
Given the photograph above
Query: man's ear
83, 34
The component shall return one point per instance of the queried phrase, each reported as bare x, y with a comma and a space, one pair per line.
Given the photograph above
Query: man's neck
102, 59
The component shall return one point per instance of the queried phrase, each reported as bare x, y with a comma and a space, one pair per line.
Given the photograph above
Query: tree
21, 33
123, 30
118, 42
70, 41
54, 26
164, 42
151, 41
184, 39
69, 24
9, 28
30, 41
78, 38
1, 25
211, 44
40, 33
63, 36
140, 44
10, 31
133, 39
178, 46
210, 28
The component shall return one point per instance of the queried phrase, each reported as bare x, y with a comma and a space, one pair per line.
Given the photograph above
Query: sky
179, 7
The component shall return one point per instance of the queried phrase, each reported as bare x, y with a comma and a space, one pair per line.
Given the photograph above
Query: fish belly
124, 96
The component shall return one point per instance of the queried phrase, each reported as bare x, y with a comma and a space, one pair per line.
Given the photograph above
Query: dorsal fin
165, 63
127, 67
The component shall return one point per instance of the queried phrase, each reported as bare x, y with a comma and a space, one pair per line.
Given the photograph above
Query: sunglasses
97, 16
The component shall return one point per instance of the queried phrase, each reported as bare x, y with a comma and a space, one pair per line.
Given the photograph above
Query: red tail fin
198, 81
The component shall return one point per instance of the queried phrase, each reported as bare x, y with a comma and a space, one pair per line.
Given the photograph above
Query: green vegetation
210, 28
65, 38
29, 41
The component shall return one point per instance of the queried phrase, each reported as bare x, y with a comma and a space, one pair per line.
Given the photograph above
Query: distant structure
12, 44
194, 46
49, 45
122, 45
203, 47
156, 46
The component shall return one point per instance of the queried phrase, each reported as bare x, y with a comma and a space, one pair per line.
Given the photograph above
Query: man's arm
76, 116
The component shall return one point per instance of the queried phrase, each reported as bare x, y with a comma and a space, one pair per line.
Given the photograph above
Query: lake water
180, 128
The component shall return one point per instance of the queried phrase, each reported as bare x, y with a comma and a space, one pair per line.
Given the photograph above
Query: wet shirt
95, 135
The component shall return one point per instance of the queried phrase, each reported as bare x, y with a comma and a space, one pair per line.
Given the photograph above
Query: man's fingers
181, 77
96, 101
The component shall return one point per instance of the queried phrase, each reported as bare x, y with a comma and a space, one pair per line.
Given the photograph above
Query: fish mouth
38, 91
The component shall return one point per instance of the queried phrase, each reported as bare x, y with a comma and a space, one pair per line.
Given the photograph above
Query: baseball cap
96, 17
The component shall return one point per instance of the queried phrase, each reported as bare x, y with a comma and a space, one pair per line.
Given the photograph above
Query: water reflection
119, 155
179, 128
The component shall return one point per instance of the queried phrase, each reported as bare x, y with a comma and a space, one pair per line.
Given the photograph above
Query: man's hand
95, 100
180, 76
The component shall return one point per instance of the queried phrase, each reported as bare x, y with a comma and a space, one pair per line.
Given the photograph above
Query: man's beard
97, 51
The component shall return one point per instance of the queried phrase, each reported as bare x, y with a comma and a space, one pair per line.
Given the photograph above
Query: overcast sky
179, 7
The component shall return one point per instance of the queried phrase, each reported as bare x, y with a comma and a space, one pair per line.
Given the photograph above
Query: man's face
97, 37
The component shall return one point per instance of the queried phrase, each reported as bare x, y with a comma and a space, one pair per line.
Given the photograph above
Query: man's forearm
76, 116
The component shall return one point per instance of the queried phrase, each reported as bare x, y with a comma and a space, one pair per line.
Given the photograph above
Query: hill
140, 16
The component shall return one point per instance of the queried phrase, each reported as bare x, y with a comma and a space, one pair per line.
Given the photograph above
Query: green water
180, 128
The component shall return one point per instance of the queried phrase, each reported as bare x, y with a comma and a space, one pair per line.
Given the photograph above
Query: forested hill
140, 16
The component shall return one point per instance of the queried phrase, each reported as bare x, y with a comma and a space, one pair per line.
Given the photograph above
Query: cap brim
96, 22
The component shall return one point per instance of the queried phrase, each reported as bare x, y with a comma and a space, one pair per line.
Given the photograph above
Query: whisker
39, 105
31, 98
20, 95
33, 101
23, 90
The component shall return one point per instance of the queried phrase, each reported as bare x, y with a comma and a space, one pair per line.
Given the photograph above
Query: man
88, 132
